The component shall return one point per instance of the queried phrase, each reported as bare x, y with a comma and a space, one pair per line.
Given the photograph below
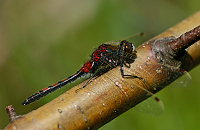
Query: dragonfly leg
97, 73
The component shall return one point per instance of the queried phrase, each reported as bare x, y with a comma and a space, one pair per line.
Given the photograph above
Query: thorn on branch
11, 113
179, 45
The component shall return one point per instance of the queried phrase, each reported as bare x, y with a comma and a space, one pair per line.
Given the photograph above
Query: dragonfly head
129, 47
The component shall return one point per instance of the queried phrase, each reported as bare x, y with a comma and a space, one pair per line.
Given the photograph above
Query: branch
158, 62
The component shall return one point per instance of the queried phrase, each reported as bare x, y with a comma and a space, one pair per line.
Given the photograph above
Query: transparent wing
135, 39
150, 106
183, 81
156, 108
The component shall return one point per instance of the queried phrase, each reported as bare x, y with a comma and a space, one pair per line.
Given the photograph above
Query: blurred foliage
42, 42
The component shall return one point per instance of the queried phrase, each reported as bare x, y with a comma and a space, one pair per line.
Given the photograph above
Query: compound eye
130, 47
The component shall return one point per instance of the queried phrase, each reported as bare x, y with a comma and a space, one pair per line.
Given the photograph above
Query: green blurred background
42, 42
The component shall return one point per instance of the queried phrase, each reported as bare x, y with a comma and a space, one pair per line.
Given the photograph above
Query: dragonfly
104, 58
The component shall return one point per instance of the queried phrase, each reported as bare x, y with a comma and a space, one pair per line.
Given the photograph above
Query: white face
133, 47
92, 64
